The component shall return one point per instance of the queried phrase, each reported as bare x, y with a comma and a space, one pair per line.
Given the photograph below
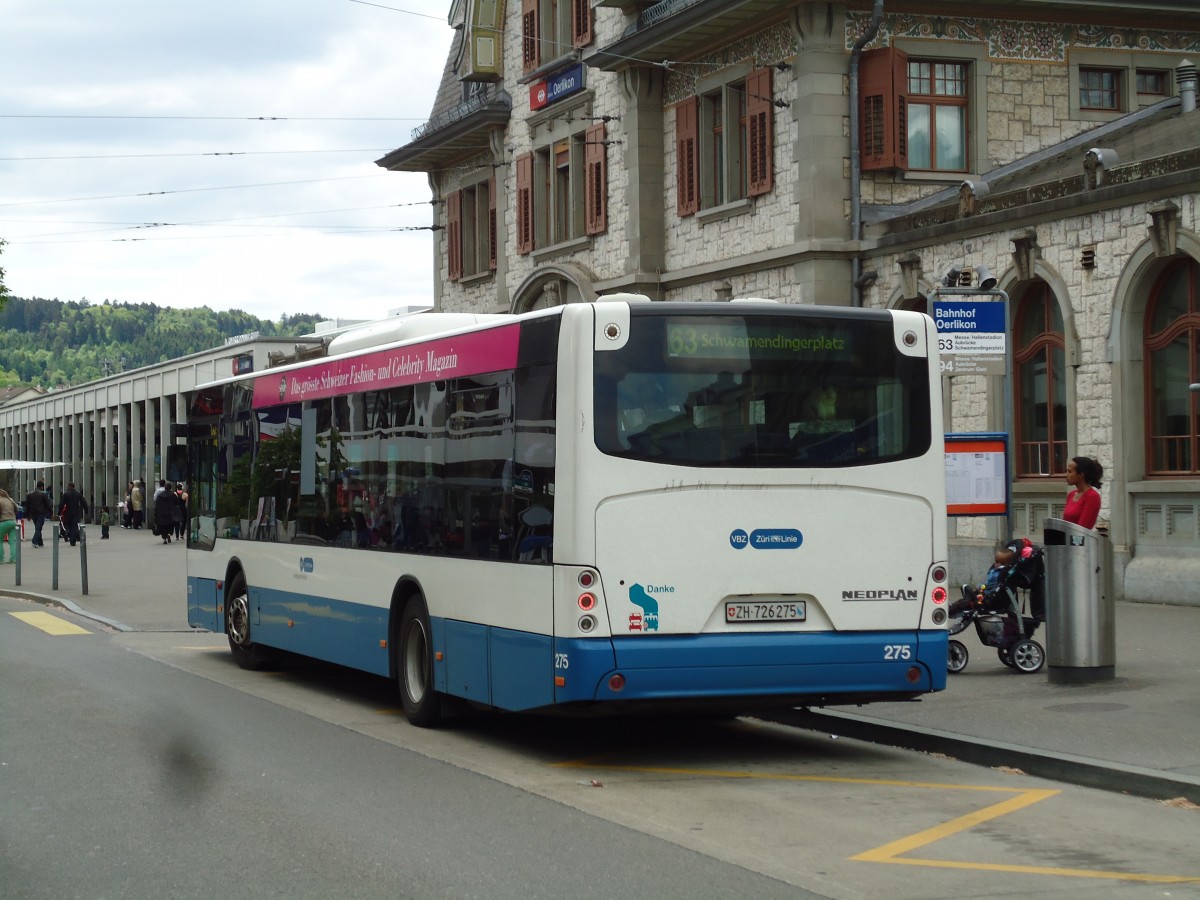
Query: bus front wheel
246, 653
422, 705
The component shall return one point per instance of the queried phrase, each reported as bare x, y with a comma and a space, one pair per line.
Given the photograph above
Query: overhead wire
179, 155
667, 65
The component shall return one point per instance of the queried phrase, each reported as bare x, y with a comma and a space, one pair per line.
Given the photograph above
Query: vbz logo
739, 539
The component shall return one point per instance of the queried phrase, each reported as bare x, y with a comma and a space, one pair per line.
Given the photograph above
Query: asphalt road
128, 778
146, 764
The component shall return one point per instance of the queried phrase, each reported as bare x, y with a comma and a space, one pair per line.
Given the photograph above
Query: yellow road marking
48, 623
771, 776
890, 852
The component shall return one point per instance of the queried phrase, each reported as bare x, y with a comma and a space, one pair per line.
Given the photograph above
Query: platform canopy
27, 464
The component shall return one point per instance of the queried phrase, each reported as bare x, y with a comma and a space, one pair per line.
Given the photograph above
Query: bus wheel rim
238, 618
416, 662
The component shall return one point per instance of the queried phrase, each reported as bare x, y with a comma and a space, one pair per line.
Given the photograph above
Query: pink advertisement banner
466, 354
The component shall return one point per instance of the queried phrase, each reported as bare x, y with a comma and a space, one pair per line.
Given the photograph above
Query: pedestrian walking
137, 502
8, 527
127, 507
181, 496
72, 511
166, 514
38, 508
152, 505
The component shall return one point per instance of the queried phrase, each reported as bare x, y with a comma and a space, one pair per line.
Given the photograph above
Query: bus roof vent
623, 298
389, 331
753, 300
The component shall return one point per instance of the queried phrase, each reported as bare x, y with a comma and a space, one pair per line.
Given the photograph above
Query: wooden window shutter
531, 45
454, 246
525, 203
687, 163
492, 233
883, 110
595, 158
581, 22
760, 131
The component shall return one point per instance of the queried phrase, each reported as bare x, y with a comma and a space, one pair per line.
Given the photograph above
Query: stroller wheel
1028, 656
1005, 655
956, 656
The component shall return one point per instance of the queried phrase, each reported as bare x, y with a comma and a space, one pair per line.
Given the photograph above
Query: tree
3, 289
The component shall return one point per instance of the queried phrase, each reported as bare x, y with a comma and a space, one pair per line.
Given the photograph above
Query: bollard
54, 559
17, 561
83, 556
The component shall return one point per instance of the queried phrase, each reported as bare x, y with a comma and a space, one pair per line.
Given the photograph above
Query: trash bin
1081, 639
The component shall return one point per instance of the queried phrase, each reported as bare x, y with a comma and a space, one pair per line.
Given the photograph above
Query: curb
1080, 770
75, 608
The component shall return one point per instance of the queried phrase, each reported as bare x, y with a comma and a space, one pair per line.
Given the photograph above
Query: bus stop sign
971, 336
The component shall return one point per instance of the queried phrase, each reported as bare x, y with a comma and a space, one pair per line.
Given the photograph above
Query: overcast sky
116, 124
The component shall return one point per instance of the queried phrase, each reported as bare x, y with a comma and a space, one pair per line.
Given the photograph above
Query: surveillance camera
987, 280
1099, 156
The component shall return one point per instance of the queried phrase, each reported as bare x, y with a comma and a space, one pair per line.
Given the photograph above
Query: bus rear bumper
766, 669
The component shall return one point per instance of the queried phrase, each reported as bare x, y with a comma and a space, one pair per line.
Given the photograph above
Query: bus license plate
765, 612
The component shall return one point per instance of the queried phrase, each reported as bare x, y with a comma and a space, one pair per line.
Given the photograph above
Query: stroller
996, 610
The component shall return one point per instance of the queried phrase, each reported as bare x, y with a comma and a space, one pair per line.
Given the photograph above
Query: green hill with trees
52, 343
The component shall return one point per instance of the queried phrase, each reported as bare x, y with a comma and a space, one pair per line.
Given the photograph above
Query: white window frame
565, 121
979, 69
1127, 63
476, 229
734, 177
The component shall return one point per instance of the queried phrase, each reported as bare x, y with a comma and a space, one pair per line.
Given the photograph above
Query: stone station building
853, 153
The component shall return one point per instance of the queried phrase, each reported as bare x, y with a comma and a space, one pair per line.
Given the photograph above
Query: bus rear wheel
414, 668
246, 653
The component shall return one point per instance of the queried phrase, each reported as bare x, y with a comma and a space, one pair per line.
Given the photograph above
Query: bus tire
414, 666
246, 653
956, 657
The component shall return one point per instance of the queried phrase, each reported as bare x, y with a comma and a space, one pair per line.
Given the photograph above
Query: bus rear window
763, 391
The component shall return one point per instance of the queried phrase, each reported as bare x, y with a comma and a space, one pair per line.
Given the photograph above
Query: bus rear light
939, 616
587, 601
587, 623
939, 573
616, 682
587, 579
939, 595
913, 675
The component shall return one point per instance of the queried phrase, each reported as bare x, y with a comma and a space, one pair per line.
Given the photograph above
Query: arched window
919, 303
1039, 368
1172, 360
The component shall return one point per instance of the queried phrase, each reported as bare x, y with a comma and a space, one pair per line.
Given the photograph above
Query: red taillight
913, 674
616, 682
587, 601
587, 579
939, 573
939, 595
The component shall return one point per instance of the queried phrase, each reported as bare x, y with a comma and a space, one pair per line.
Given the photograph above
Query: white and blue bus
601, 507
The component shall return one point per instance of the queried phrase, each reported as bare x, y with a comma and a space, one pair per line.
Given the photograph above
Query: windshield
738, 391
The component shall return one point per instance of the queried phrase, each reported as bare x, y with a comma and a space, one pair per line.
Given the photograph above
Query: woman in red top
1083, 503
